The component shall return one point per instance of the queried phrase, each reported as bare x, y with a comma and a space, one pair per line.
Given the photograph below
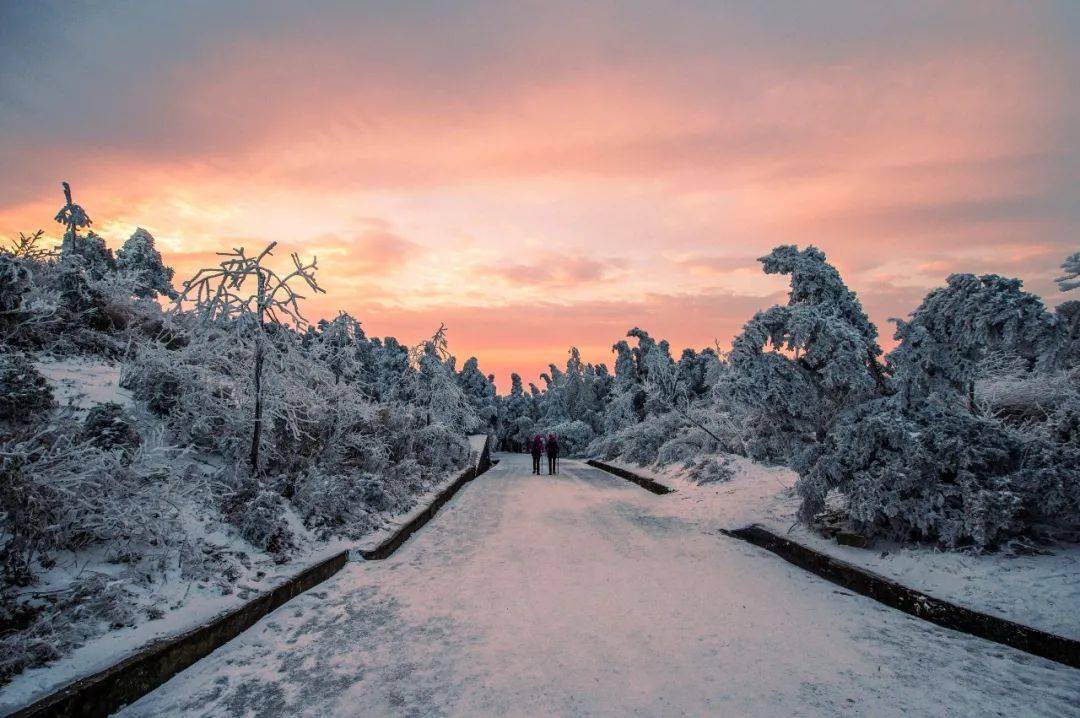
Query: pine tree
434, 386
141, 258
1071, 279
74, 218
795, 367
926, 463
480, 392
517, 419
957, 326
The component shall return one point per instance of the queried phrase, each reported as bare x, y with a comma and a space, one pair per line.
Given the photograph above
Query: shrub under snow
942, 475
109, 426
24, 393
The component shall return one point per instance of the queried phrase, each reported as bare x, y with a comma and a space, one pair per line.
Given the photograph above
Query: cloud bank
541, 175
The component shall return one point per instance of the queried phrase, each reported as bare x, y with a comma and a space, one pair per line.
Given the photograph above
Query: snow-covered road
584, 595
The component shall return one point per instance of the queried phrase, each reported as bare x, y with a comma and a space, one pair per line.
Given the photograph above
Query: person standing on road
537, 452
552, 453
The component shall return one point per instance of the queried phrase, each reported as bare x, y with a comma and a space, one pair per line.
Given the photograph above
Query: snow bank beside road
185, 604
1041, 591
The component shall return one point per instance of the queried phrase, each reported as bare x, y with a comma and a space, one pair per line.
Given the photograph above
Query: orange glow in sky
538, 176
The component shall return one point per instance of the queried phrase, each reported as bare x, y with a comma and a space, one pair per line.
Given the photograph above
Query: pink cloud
538, 183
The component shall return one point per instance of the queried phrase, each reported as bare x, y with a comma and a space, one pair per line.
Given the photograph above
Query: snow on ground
1041, 591
83, 382
185, 603
582, 594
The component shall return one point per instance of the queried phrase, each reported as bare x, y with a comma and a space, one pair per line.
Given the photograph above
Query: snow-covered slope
214, 571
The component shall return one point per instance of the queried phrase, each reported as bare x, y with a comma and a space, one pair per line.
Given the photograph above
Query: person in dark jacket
552, 453
537, 452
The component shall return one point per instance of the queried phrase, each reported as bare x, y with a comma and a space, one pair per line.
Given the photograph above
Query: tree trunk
256, 434
878, 372
256, 431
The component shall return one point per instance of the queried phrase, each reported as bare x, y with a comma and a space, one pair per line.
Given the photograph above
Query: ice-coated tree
24, 393
338, 343
83, 260
596, 391
15, 281
795, 367
74, 218
626, 405
925, 463
954, 329
139, 257
434, 388
516, 419
1069, 314
579, 393
936, 473
96, 258
28, 246
391, 367
244, 292
480, 392
1071, 278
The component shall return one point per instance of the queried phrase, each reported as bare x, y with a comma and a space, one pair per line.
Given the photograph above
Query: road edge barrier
915, 603
643, 481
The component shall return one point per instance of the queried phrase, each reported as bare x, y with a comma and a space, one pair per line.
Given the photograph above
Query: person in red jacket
552, 454
537, 452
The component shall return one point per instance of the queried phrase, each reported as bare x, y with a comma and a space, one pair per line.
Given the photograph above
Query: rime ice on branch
74, 217
243, 290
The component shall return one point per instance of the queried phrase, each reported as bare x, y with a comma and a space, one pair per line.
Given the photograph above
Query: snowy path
581, 595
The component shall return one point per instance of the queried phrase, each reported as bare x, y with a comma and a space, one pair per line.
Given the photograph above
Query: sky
540, 175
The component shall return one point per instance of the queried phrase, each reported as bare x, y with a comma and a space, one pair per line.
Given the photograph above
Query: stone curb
948, 615
642, 481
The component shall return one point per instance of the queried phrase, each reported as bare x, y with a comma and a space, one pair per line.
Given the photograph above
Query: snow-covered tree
957, 326
244, 292
15, 282
96, 258
434, 387
480, 392
24, 393
139, 257
339, 344
391, 366
28, 246
74, 218
1071, 278
517, 418
795, 367
626, 405
1069, 315
577, 393
925, 463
